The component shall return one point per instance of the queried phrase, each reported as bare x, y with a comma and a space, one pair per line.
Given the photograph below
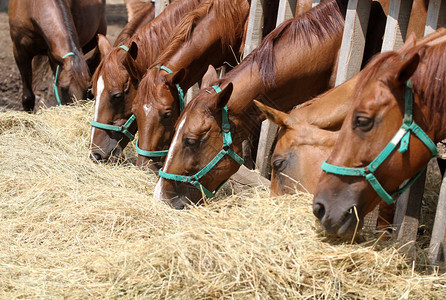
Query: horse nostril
97, 157
319, 210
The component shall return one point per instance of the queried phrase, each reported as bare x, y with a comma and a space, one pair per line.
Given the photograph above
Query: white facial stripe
159, 185
146, 108
100, 88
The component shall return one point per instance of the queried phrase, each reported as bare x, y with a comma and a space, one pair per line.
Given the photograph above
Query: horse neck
144, 17
59, 31
205, 47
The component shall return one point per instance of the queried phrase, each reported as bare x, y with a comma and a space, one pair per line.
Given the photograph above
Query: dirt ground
10, 82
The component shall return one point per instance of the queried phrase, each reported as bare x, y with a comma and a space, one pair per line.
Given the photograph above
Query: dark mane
230, 18
316, 25
69, 24
143, 17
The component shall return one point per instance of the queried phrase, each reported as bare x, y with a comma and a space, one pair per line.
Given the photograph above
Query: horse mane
230, 17
316, 25
69, 24
427, 81
154, 36
150, 40
146, 14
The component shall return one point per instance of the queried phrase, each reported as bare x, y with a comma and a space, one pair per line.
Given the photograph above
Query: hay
72, 229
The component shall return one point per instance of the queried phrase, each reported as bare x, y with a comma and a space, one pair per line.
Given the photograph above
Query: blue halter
401, 137
56, 77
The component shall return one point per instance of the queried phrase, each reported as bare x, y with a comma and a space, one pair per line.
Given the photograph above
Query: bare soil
10, 82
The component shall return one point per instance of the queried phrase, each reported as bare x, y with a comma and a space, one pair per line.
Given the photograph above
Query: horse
114, 91
272, 73
393, 89
63, 30
212, 34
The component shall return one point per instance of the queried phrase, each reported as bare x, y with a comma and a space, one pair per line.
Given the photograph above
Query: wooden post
396, 25
255, 25
435, 15
160, 5
317, 2
287, 8
437, 247
191, 92
353, 39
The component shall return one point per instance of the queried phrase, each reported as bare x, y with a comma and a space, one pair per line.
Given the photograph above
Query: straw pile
72, 229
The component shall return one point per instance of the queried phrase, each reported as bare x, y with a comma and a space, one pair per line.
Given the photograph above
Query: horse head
358, 173
114, 92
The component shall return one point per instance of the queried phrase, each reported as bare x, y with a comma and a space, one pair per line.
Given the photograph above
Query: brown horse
394, 89
113, 89
212, 34
274, 73
62, 30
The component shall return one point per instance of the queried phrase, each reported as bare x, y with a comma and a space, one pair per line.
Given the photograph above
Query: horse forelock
231, 19
316, 25
110, 68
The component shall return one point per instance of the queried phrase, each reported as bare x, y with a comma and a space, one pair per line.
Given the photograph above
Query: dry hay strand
70, 228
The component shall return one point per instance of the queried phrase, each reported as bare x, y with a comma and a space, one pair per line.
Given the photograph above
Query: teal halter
402, 137
227, 141
181, 100
124, 128
56, 92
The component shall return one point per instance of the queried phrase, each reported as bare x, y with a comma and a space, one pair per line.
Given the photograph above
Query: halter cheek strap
56, 92
402, 137
227, 141
181, 102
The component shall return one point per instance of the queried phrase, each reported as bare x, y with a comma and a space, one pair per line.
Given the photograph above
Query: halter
124, 128
227, 141
402, 136
181, 101
56, 92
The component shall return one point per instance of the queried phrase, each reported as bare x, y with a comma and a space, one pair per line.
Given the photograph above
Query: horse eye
363, 123
167, 115
117, 96
190, 142
279, 165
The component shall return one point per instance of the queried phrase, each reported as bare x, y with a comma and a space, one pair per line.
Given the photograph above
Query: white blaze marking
99, 90
159, 185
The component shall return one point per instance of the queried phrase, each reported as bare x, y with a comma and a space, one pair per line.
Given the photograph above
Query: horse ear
131, 65
407, 68
210, 77
411, 41
176, 77
224, 95
274, 115
104, 45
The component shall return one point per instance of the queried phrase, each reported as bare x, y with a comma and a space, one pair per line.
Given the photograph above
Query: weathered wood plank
437, 247
433, 13
353, 39
287, 9
245, 179
255, 26
160, 5
396, 25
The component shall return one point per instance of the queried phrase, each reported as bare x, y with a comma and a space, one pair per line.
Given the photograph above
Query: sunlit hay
70, 228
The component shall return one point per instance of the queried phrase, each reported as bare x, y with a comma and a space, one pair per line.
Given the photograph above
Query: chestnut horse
282, 71
60, 29
212, 34
113, 89
394, 89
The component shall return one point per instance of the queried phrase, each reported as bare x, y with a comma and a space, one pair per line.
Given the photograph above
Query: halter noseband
402, 137
161, 153
124, 128
56, 92
227, 141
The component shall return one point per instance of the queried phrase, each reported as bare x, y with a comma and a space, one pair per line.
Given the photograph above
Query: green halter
227, 141
56, 92
402, 137
124, 128
181, 100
